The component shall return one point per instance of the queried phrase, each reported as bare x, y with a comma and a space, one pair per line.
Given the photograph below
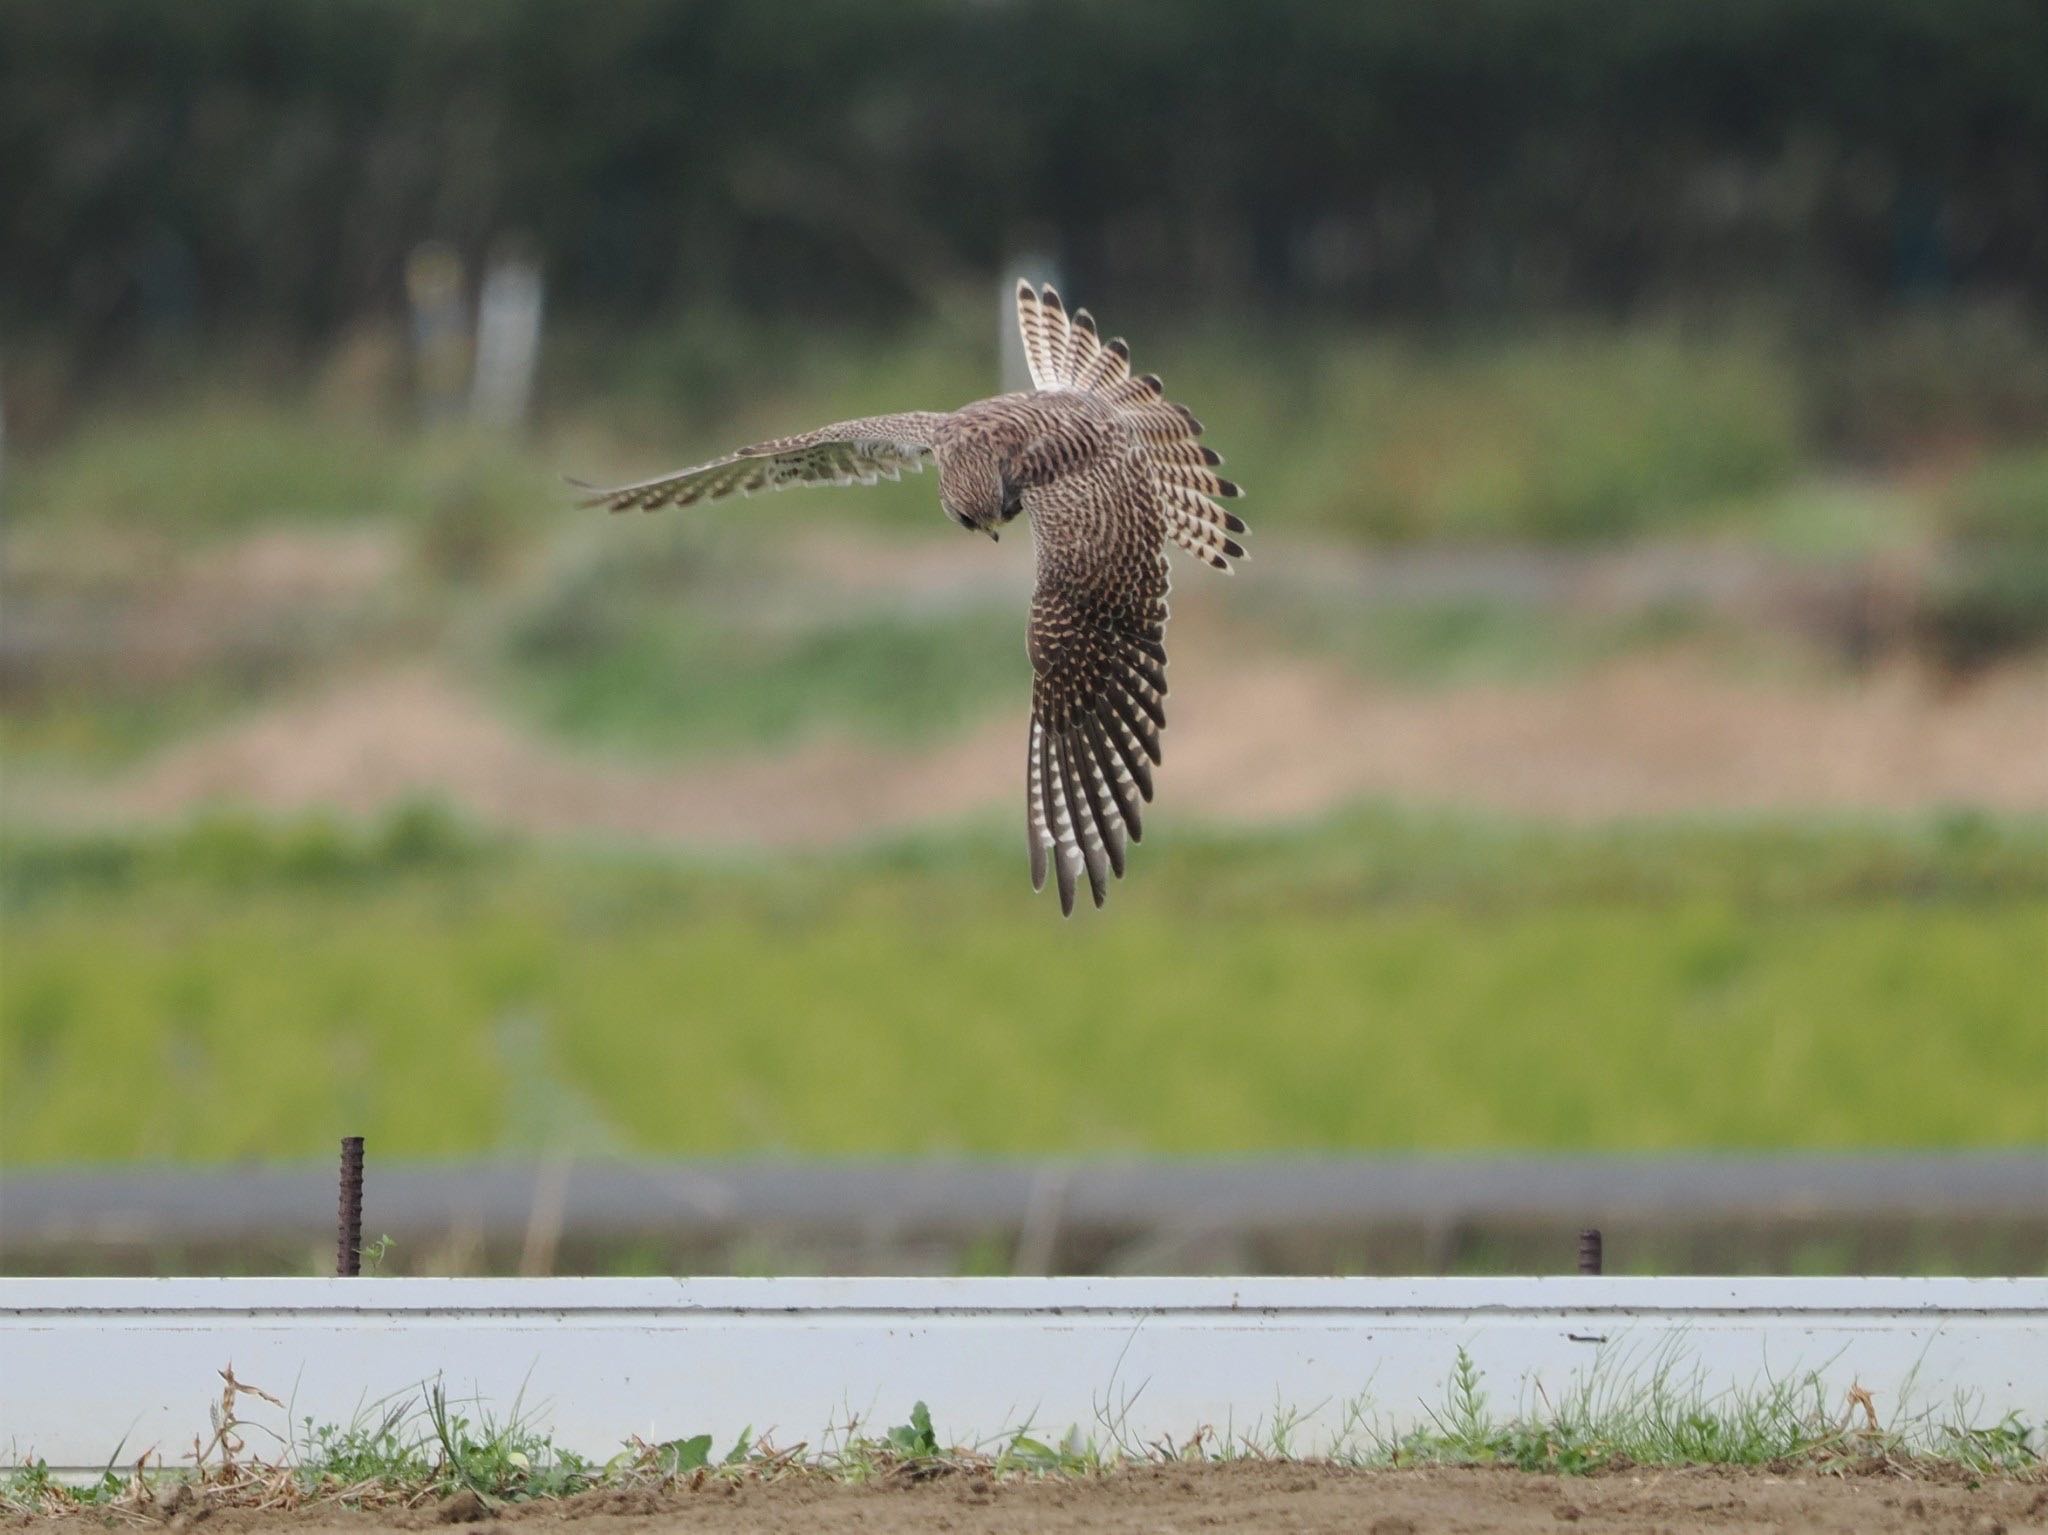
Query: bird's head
973, 489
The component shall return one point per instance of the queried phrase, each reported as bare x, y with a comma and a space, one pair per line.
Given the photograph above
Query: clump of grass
1613, 1420
1614, 1417
375, 1453
1670, 1420
1987, 595
2005, 1446
497, 1457
409, 1449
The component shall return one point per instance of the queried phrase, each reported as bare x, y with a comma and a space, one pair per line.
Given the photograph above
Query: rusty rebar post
1589, 1251
348, 1247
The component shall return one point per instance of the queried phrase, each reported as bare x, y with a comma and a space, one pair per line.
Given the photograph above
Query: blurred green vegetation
221, 458
1555, 434
1989, 593
680, 678
97, 728
1565, 436
682, 632
679, 640
1448, 640
1383, 981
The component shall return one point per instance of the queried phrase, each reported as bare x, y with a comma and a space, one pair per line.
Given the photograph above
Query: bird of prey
1109, 470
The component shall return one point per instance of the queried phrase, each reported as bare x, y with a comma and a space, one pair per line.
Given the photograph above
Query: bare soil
135, 609
1262, 1496
1254, 740
1258, 735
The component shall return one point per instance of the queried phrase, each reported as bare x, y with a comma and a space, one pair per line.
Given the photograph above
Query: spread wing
1098, 655
845, 453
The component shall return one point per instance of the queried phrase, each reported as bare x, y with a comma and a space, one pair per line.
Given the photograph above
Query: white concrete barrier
89, 1364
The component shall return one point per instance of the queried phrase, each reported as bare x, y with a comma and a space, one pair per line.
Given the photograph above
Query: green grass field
1382, 982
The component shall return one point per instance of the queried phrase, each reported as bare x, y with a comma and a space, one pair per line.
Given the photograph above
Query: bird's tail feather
1065, 351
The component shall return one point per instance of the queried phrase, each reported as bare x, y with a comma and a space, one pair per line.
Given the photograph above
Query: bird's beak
993, 536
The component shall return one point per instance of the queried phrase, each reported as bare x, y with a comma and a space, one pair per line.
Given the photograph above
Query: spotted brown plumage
1110, 471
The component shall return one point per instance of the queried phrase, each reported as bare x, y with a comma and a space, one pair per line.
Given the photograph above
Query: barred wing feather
846, 453
1097, 707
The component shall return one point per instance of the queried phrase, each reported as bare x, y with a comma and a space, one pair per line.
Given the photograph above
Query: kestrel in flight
1109, 469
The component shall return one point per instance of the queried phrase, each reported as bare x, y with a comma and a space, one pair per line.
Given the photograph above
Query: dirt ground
1259, 735
1258, 740
1256, 1496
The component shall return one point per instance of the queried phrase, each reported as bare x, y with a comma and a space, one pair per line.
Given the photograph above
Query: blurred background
1625, 754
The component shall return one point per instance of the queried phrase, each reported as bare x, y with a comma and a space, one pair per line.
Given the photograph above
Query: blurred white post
1034, 269
507, 341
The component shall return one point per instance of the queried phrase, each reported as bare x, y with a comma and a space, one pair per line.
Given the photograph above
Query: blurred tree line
269, 164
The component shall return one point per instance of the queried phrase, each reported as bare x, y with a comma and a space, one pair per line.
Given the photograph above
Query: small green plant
675, 1457
915, 1439
31, 1488
1023, 1453
375, 1452
374, 1253
2008, 1445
